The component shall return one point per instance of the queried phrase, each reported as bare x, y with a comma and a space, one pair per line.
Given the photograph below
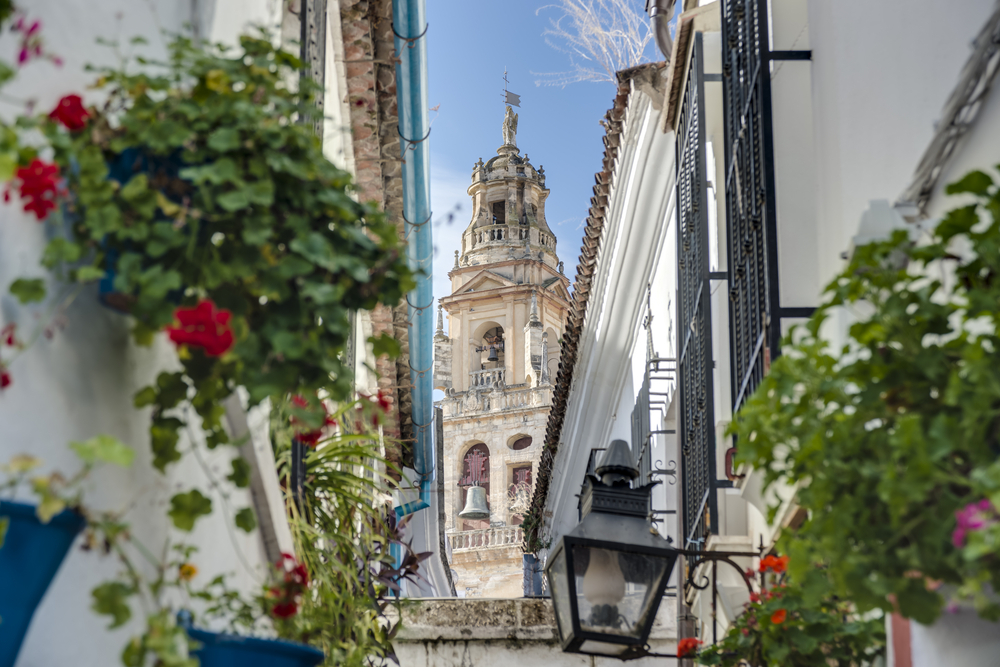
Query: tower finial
440, 328
456, 259
534, 306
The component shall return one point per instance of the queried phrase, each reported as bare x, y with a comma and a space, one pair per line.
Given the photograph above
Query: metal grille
642, 440
695, 364
750, 213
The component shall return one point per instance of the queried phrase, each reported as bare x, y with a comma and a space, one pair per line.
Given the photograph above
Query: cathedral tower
506, 313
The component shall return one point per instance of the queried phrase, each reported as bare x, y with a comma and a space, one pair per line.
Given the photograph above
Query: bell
475, 504
493, 354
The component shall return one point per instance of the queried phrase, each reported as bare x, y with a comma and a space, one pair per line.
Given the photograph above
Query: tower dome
508, 208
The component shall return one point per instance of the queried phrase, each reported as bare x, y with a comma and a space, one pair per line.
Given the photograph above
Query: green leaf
104, 448
975, 182
224, 139
28, 290
60, 251
163, 435
111, 599
186, 508
234, 200
4, 525
240, 476
385, 344
8, 161
86, 274
145, 396
246, 520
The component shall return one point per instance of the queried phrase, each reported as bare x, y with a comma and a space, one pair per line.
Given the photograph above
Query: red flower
7, 336
688, 647
288, 592
754, 597
774, 563
203, 326
779, 616
38, 187
285, 609
71, 113
311, 438
5, 378
383, 401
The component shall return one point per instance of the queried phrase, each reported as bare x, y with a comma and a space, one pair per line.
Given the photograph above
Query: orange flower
186, 572
774, 563
688, 647
779, 616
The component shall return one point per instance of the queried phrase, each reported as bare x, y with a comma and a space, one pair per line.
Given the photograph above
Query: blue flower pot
222, 650
29, 558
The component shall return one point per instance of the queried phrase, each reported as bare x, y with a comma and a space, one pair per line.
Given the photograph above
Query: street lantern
608, 574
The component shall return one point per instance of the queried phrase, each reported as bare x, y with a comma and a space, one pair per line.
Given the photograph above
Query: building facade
496, 365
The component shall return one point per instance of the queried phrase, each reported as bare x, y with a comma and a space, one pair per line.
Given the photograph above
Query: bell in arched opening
475, 505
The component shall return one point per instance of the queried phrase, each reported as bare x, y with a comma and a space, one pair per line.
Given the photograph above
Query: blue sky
469, 44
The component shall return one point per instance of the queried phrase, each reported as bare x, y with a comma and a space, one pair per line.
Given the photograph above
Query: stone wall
501, 633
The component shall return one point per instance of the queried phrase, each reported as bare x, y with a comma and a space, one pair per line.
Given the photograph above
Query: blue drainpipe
410, 25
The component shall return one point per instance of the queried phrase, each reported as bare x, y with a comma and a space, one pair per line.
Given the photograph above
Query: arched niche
489, 346
474, 468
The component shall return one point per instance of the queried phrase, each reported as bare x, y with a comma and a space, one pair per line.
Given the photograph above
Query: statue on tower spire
509, 127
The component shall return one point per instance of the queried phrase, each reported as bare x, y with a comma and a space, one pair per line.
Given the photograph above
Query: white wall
81, 382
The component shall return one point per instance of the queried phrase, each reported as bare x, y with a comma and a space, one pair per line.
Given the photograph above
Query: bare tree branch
600, 37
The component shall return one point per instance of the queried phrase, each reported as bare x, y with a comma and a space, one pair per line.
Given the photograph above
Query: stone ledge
442, 619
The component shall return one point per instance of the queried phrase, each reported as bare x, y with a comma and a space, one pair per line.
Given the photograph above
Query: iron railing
695, 363
755, 326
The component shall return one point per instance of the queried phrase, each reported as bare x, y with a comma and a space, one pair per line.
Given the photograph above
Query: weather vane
510, 98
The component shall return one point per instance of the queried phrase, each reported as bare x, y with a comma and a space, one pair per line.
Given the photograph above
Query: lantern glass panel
559, 585
615, 589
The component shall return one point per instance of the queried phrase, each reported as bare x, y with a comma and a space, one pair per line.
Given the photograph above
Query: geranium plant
788, 625
894, 437
197, 192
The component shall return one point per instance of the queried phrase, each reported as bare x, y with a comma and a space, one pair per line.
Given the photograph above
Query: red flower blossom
754, 597
203, 326
311, 438
38, 186
71, 113
7, 336
5, 378
779, 616
383, 401
688, 647
289, 591
774, 563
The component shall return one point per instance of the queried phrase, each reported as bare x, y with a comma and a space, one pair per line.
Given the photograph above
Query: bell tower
505, 314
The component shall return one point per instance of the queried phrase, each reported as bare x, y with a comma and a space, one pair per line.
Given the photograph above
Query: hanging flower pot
222, 650
30, 556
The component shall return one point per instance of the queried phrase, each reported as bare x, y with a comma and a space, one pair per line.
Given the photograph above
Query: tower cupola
508, 207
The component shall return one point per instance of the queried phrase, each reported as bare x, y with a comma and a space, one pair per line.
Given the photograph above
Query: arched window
475, 471
499, 213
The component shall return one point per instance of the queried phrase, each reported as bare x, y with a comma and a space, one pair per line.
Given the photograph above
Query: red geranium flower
203, 326
7, 335
311, 438
285, 609
71, 113
383, 401
38, 185
288, 592
688, 647
754, 597
779, 616
5, 378
774, 563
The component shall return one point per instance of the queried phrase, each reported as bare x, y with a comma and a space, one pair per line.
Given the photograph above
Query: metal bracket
659, 470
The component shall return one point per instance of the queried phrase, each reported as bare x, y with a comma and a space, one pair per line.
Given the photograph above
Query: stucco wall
80, 382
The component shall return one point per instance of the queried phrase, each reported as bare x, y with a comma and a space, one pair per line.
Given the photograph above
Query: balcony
494, 398
489, 538
487, 379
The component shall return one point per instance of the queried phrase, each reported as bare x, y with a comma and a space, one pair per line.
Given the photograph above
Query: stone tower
506, 313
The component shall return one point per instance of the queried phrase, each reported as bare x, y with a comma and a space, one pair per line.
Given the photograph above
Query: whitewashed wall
81, 382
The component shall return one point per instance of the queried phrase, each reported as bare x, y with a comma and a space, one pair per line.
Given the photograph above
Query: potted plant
35, 537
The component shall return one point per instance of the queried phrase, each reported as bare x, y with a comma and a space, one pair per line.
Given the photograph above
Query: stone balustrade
500, 234
486, 379
495, 398
489, 538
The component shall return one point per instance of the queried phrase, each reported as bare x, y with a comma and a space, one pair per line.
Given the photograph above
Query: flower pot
222, 650
29, 558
